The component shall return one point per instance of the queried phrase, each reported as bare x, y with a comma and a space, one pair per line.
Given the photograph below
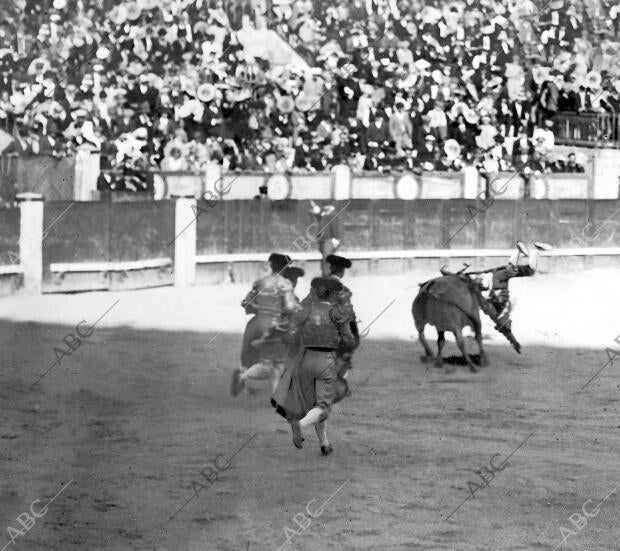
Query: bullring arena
142, 407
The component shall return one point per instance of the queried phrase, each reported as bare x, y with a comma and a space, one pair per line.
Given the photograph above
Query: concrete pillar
471, 182
342, 182
87, 168
213, 172
31, 240
185, 241
606, 173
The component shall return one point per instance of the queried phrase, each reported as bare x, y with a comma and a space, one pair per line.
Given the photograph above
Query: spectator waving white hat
133, 11
452, 149
147, 5
39, 66
205, 92
88, 133
594, 80
118, 14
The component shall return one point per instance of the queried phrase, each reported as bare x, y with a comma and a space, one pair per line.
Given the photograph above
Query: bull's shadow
454, 360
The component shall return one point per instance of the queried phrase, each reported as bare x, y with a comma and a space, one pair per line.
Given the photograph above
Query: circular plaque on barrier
278, 187
407, 187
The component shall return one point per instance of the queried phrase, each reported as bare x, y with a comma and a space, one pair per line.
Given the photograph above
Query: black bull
449, 303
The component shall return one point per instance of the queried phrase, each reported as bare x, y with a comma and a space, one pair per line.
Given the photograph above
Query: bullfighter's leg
259, 371
237, 383
531, 252
315, 416
504, 308
275, 375
533, 260
326, 447
298, 436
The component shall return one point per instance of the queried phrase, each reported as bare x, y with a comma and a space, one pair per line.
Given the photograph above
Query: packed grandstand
375, 84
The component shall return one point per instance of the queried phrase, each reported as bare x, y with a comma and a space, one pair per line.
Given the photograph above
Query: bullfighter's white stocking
314, 416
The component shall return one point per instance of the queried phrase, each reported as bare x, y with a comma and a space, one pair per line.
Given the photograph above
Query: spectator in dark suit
349, 93
126, 123
583, 100
608, 102
549, 96
6, 81
378, 134
427, 156
571, 103
464, 134
520, 114
180, 47
572, 165
142, 119
144, 93
565, 101
521, 150
420, 132
160, 50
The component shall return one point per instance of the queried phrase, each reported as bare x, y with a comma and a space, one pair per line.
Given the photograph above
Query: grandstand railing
588, 129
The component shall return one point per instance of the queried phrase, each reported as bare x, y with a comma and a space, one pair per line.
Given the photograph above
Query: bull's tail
418, 311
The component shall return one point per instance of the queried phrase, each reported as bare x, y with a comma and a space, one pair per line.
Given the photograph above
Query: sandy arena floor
133, 416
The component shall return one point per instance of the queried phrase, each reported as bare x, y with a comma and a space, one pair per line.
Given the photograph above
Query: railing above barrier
588, 129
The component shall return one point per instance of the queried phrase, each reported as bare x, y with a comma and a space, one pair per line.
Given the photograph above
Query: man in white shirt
401, 128
438, 120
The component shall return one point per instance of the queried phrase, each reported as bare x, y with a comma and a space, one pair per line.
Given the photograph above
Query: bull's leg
427, 348
458, 335
484, 361
441, 340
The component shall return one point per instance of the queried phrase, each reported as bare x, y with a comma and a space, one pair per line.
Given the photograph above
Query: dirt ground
128, 421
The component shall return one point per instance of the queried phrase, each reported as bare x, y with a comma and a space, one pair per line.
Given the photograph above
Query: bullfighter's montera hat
338, 261
293, 272
279, 261
325, 287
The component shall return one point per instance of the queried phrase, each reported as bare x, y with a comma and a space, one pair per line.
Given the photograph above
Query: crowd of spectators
385, 84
